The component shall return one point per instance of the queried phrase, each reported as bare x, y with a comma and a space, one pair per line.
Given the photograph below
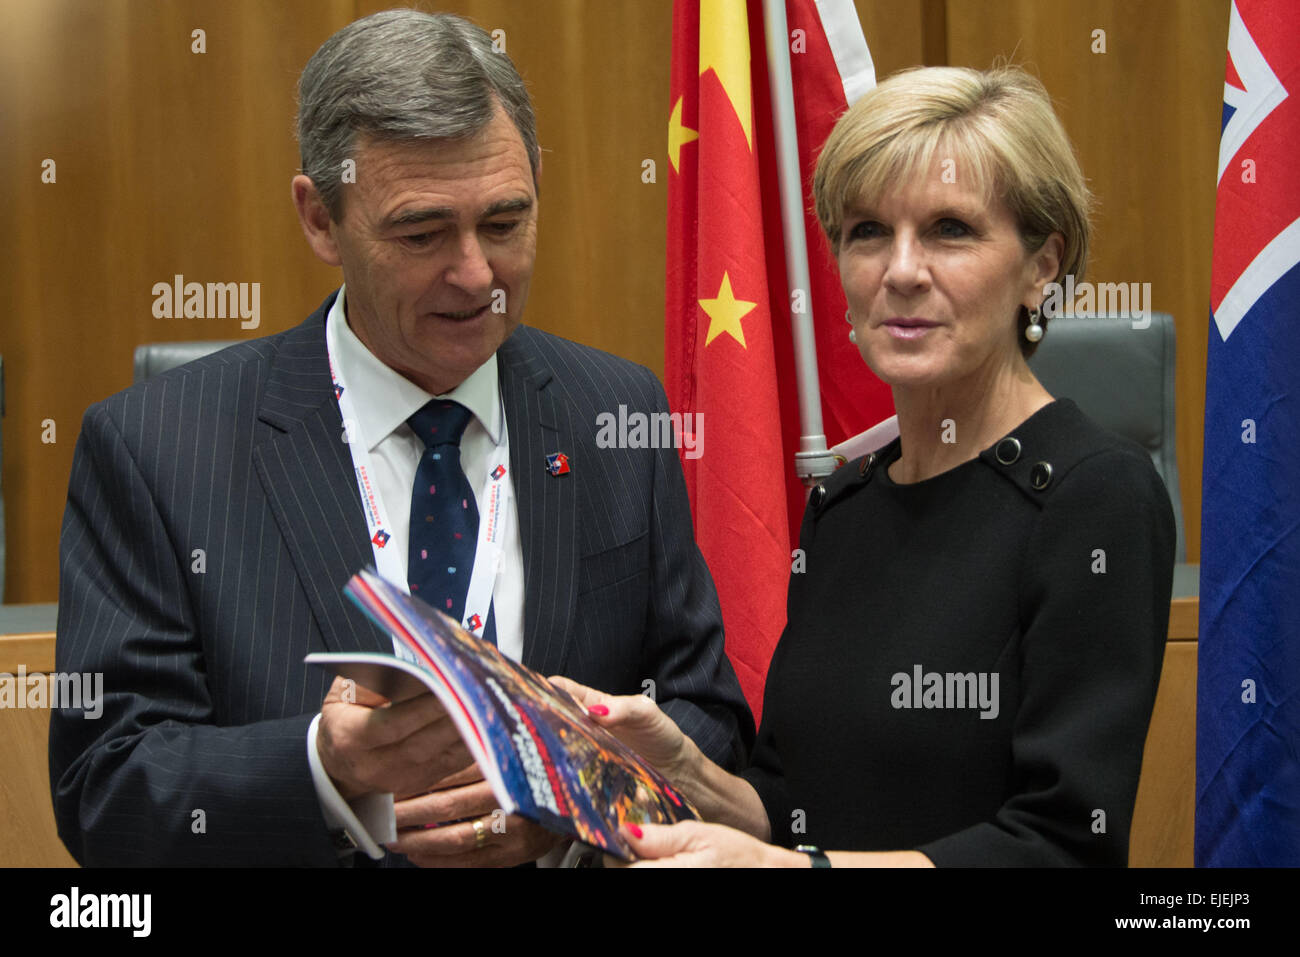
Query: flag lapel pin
557, 463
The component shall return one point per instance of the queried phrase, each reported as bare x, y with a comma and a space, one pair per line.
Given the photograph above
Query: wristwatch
815, 854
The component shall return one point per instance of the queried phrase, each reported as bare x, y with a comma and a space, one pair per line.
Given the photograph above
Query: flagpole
813, 462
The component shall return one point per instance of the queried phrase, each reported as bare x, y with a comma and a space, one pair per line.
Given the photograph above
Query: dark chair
1123, 378
155, 357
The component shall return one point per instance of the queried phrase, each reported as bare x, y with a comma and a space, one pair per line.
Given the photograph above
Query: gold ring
480, 834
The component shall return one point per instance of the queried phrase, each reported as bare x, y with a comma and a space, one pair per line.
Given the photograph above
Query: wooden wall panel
172, 162
175, 162
1144, 117
168, 161
896, 32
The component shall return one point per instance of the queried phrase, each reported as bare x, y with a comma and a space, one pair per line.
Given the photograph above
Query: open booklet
543, 757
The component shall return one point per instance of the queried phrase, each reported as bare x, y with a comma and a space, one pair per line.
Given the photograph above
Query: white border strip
848, 46
1273, 262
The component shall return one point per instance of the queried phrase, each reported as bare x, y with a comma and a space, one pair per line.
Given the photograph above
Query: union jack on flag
1248, 678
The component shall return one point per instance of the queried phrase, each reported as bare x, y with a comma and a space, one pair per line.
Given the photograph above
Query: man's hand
368, 744
433, 831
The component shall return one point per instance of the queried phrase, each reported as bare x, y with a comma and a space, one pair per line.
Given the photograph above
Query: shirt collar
384, 399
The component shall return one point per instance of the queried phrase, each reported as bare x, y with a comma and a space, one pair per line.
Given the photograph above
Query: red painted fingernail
634, 831
599, 709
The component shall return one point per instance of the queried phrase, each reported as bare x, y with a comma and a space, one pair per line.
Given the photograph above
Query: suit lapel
306, 472
539, 424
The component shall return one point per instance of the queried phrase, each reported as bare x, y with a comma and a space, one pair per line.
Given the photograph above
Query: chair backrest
155, 357
1123, 378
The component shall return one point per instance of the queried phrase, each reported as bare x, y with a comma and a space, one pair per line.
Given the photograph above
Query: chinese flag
729, 353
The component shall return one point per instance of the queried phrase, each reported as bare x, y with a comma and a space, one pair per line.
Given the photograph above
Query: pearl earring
1034, 331
853, 333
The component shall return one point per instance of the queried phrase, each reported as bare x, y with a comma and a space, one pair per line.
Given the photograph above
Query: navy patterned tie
444, 516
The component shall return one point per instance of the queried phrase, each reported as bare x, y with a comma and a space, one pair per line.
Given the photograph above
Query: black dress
970, 662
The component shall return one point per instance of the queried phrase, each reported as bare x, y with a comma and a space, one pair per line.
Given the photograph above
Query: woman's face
935, 276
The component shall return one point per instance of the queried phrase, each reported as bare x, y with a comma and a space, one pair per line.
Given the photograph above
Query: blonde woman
972, 654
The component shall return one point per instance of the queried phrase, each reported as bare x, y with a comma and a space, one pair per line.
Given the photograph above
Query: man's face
437, 242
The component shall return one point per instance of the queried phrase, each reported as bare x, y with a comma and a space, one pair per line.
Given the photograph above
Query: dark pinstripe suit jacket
212, 520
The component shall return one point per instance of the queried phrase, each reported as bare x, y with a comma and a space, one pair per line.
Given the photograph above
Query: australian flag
1248, 689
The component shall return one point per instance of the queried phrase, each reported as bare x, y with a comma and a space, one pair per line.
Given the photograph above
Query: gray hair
403, 75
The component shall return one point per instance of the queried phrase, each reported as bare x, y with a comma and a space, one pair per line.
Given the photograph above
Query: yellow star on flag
725, 313
724, 46
678, 136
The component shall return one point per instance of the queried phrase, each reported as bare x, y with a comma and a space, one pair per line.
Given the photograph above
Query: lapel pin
557, 463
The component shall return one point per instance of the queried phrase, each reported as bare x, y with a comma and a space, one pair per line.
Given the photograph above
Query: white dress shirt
382, 401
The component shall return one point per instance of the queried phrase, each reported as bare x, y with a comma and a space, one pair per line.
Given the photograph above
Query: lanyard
487, 551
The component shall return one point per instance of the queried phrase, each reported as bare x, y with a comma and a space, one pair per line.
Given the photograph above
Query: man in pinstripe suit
213, 512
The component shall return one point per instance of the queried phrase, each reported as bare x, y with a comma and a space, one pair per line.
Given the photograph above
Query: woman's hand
695, 844
637, 722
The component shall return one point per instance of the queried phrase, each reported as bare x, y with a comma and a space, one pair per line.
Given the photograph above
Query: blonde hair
997, 126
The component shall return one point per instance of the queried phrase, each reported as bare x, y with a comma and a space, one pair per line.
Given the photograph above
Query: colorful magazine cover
544, 758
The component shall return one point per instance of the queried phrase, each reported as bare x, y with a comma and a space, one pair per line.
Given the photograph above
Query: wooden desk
1164, 818
1162, 824
28, 837
34, 651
